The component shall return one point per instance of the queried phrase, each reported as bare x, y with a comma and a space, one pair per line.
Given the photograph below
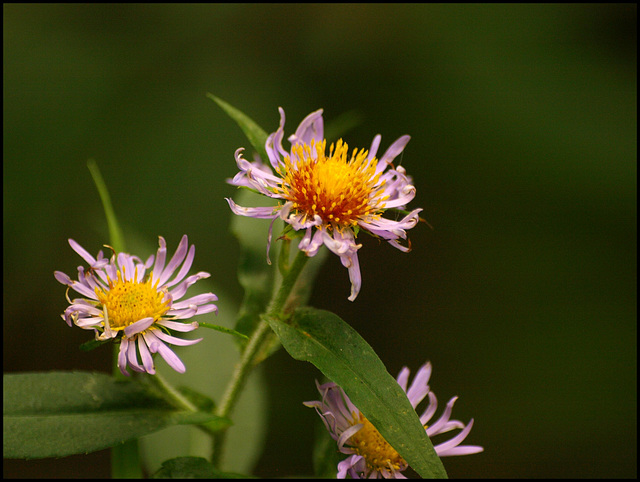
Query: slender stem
125, 457
242, 369
277, 304
176, 398
253, 349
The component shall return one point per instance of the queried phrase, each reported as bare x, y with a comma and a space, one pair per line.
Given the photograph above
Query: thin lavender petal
160, 258
165, 352
138, 326
84, 254
174, 340
177, 258
147, 359
176, 326
185, 268
122, 357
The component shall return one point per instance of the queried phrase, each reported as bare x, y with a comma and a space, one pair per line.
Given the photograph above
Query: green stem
174, 397
178, 400
242, 369
253, 349
276, 307
125, 458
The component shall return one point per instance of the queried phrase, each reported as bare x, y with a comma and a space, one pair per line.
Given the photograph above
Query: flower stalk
254, 347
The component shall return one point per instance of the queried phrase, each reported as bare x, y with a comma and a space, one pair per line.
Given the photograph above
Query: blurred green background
523, 121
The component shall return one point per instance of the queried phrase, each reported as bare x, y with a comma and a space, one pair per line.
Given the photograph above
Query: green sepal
93, 344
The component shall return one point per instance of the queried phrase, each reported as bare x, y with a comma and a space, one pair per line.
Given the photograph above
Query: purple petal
185, 267
63, 278
392, 152
147, 359
430, 410
196, 300
174, 340
138, 326
176, 326
179, 291
446, 448
165, 352
160, 258
403, 378
273, 146
177, 258
419, 387
373, 150
444, 418
267, 212
311, 128
122, 356
132, 356
84, 254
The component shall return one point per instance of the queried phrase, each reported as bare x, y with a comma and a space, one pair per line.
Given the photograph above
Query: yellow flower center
338, 189
129, 301
376, 450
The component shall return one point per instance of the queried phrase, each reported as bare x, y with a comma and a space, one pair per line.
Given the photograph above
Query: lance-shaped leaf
254, 274
115, 232
338, 351
255, 134
56, 414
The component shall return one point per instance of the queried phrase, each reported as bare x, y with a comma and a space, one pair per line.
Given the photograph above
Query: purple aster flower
370, 456
330, 197
137, 303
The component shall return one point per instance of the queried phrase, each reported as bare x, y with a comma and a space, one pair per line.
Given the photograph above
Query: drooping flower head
137, 303
330, 195
370, 455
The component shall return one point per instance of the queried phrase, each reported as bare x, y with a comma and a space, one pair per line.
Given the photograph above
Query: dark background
523, 152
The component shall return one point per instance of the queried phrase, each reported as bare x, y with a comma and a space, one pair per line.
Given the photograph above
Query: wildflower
329, 197
125, 300
370, 456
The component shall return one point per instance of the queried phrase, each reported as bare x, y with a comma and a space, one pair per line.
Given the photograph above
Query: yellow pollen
129, 301
376, 450
339, 189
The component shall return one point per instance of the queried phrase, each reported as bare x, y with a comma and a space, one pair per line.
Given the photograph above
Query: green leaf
336, 349
224, 329
93, 344
193, 468
115, 233
254, 273
56, 414
255, 134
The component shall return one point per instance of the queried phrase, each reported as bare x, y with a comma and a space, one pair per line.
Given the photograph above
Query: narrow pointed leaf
115, 233
56, 414
254, 273
255, 134
338, 351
